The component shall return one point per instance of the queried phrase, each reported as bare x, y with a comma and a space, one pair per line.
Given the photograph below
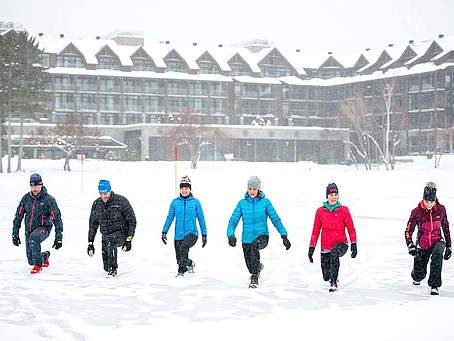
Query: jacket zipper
431, 229
33, 212
184, 218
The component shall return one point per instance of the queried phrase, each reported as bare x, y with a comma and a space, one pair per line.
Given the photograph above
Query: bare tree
76, 137
188, 130
377, 128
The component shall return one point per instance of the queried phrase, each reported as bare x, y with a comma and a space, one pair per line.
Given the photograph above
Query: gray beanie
254, 182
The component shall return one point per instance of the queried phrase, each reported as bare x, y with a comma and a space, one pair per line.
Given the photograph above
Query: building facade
265, 103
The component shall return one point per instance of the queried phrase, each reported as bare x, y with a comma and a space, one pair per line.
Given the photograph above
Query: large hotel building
254, 102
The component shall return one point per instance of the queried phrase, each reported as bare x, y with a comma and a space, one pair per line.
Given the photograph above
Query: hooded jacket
113, 216
254, 212
332, 222
40, 211
186, 210
429, 223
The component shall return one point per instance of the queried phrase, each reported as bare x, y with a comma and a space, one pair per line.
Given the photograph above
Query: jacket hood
42, 193
259, 196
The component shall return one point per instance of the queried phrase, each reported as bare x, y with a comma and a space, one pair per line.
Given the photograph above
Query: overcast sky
320, 25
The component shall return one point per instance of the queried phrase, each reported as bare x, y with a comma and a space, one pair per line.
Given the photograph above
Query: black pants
182, 252
331, 263
109, 244
252, 254
435, 253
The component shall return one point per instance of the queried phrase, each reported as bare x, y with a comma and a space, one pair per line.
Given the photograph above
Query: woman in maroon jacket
430, 217
332, 219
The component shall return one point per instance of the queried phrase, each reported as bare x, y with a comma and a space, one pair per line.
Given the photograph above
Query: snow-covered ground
72, 299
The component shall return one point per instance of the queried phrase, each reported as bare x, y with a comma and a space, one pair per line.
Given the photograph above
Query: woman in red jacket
430, 217
332, 219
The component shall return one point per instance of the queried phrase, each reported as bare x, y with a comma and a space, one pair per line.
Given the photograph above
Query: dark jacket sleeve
93, 223
129, 216
56, 219
445, 227
411, 224
20, 212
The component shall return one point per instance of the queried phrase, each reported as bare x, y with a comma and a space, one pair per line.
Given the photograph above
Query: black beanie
331, 188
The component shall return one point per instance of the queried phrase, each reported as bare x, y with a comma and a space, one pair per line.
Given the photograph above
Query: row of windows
64, 101
111, 84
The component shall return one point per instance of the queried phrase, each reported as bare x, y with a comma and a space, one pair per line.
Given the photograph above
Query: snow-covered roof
256, 80
300, 61
139, 74
447, 44
420, 50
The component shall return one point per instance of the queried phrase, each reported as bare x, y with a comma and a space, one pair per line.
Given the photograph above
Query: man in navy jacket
40, 211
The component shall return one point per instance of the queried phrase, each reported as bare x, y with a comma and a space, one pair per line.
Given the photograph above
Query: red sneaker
46, 262
36, 269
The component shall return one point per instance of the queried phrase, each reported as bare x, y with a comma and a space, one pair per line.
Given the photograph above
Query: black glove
90, 249
448, 253
57, 244
232, 241
310, 253
286, 242
412, 249
16, 240
354, 249
204, 241
127, 244
164, 238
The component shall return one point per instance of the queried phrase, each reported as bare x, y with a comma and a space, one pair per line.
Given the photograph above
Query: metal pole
175, 158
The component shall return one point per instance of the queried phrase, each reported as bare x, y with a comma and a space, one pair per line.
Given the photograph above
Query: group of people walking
115, 218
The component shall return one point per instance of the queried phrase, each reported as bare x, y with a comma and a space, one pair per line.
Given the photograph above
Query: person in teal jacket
254, 209
185, 209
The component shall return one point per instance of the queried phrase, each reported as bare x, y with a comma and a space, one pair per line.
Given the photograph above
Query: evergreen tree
23, 81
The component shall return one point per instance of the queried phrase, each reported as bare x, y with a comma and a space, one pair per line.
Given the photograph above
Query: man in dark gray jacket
113, 214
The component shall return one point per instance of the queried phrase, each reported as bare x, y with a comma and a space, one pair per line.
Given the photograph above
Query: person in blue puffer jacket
185, 209
254, 209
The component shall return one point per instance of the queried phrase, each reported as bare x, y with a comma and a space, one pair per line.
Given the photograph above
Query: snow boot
36, 269
416, 282
254, 281
46, 261
191, 267
112, 272
333, 286
434, 291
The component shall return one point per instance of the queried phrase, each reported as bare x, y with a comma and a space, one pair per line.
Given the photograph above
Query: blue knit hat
104, 186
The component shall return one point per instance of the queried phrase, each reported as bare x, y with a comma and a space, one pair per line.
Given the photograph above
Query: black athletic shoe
434, 291
254, 281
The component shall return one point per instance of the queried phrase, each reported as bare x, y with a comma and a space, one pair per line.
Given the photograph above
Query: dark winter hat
104, 186
35, 179
185, 182
254, 182
331, 188
430, 193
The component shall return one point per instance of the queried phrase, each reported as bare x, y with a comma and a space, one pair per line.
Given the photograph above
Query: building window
427, 81
176, 87
175, 63
65, 83
69, 60
413, 83
132, 85
109, 103
88, 84
110, 84
142, 64
87, 102
131, 103
65, 101
217, 89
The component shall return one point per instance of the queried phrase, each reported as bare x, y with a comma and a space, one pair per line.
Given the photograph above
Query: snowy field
72, 299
